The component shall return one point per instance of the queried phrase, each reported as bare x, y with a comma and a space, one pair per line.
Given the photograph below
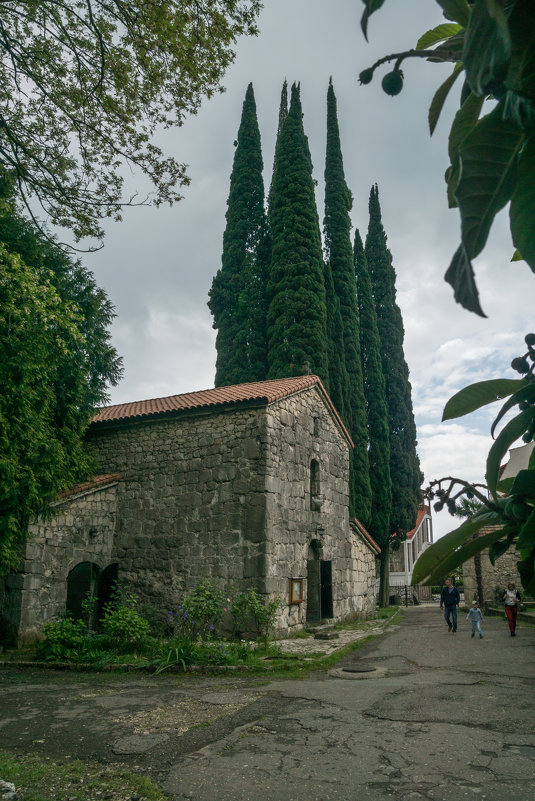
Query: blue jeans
476, 626
450, 615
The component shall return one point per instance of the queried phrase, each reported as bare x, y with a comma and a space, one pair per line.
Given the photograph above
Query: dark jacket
449, 598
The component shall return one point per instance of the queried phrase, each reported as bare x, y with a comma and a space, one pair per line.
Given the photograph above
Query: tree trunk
384, 571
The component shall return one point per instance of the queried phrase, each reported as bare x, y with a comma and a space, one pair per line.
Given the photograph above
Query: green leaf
457, 10
522, 212
433, 557
526, 535
497, 549
437, 34
463, 122
487, 48
504, 486
465, 552
371, 7
440, 96
526, 393
460, 275
524, 484
517, 256
480, 394
510, 433
489, 158
527, 572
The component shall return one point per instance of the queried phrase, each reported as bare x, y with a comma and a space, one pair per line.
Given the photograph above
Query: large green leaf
460, 275
465, 552
463, 122
509, 434
371, 7
440, 96
526, 393
480, 394
489, 158
457, 10
526, 535
430, 560
437, 34
527, 572
522, 210
487, 47
524, 484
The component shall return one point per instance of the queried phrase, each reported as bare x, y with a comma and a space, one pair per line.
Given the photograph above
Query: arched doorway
82, 583
319, 585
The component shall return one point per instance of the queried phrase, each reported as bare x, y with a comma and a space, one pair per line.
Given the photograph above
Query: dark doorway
106, 584
81, 584
326, 588
313, 590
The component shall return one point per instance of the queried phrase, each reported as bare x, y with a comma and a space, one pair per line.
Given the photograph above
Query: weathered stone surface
224, 495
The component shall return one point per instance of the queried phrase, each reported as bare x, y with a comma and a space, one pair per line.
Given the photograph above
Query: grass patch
37, 779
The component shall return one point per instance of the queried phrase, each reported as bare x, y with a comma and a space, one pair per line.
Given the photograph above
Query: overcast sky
157, 266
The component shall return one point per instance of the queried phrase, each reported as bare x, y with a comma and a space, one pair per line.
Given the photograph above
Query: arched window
316, 498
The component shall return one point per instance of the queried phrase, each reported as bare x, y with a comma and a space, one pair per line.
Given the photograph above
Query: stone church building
247, 485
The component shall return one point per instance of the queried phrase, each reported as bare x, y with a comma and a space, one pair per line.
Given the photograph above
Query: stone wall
81, 530
299, 531
191, 502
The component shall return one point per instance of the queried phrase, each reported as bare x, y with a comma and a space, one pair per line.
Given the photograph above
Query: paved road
441, 717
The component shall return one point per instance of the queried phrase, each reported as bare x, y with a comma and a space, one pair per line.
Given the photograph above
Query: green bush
121, 621
199, 614
252, 609
62, 639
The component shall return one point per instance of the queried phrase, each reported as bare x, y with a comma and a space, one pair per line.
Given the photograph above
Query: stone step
327, 634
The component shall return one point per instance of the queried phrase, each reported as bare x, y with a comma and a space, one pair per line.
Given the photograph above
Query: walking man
449, 600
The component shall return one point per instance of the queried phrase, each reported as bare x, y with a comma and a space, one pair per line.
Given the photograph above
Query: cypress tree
237, 297
283, 113
345, 362
404, 463
296, 292
377, 413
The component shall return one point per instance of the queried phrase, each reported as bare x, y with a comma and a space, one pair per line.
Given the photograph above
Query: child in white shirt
476, 616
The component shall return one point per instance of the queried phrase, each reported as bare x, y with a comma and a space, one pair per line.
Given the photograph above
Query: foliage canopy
85, 85
492, 157
55, 364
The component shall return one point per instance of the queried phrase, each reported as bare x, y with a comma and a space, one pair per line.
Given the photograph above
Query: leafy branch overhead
84, 87
492, 157
505, 513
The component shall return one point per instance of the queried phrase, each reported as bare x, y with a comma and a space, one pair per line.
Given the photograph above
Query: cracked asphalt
441, 717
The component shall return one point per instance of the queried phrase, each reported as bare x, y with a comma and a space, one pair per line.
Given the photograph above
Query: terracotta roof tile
263, 391
365, 535
422, 512
93, 483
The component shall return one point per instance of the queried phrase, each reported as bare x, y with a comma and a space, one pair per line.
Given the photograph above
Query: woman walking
511, 598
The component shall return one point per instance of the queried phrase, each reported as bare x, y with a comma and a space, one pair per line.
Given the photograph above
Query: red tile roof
262, 391
422, 512
93, 483
366, 536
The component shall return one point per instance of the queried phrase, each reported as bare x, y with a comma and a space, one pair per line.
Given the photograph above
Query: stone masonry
247, 492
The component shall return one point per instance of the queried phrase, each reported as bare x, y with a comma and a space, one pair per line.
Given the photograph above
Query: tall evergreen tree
297, 311
345, 363
404, 463
283, 113
237, 297
377, 413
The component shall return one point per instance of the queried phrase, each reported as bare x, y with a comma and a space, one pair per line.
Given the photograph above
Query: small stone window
316, 498
316, 427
